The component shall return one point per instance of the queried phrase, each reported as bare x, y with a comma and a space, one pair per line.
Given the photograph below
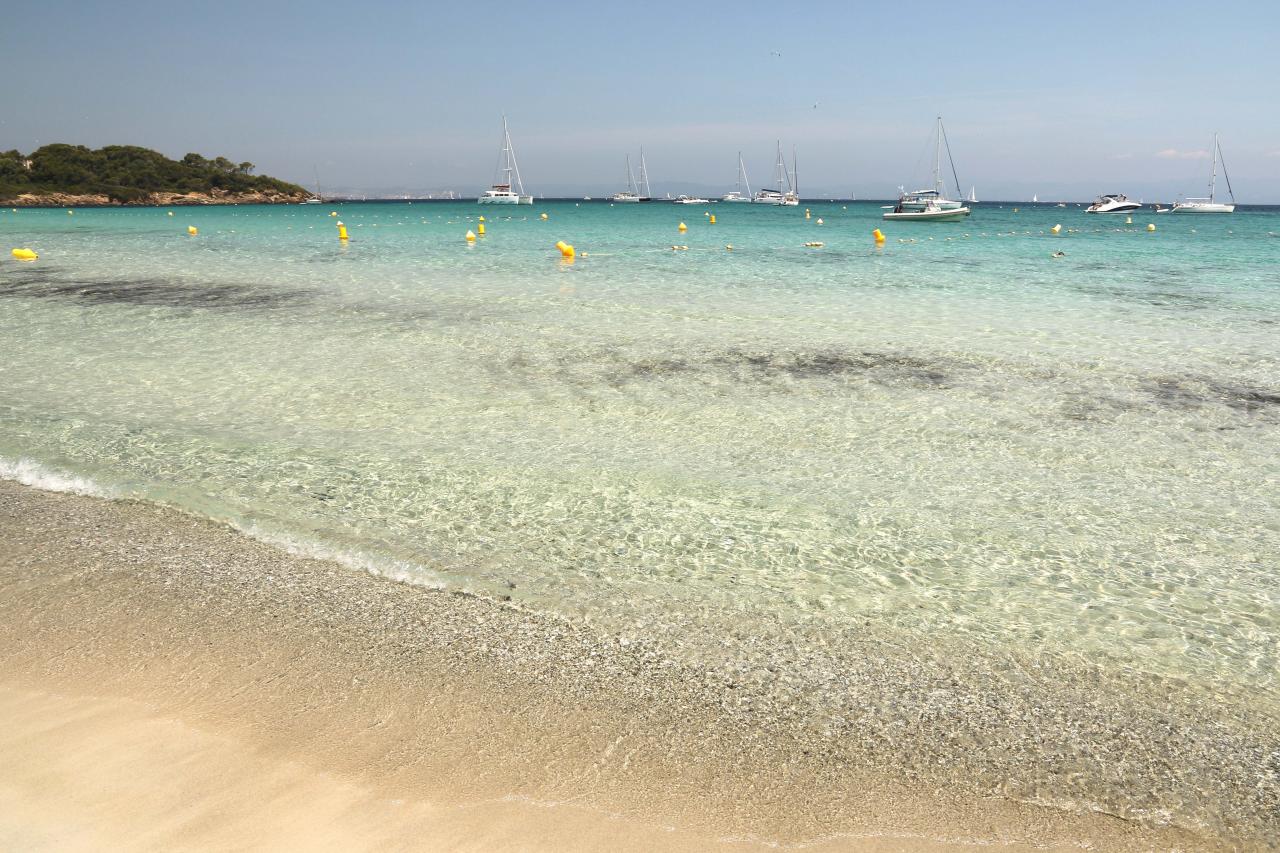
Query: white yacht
502, 192
737, 195
932, 210
1209, 205
934, 198
631, 194
932, 204
790, 197
685, 199
1113, 203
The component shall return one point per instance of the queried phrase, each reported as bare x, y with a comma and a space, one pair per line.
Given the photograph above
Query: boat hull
927, 215
1209, 207
511, 199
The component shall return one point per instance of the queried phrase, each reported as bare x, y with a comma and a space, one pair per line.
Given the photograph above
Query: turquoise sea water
960, 435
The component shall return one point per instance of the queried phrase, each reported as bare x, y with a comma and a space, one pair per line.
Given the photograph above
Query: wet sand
167, 682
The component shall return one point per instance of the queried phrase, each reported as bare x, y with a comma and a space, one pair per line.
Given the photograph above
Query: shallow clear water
959, 436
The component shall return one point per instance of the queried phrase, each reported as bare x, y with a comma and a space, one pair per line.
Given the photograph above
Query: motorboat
501, 192
1210, 204
1113, 203
685, 199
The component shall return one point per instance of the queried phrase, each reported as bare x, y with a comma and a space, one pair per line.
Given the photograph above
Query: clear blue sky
1060, 99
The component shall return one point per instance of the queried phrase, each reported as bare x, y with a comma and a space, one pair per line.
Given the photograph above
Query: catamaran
501, 192
789, 197
932, 204
737, 195
1208, 205
630, 194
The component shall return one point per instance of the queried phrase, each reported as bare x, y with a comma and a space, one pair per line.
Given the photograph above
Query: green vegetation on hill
126, 173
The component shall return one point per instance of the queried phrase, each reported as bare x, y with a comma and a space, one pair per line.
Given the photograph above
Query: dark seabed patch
763, 367
152, 291
1188, 393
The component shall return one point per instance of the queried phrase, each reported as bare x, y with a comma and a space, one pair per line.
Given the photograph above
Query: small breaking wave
27, 472
33, 474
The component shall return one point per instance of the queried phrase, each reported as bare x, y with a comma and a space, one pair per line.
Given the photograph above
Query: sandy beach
169, 683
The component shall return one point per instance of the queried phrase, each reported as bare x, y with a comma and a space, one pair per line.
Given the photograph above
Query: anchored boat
1209, 205
790, 197
501, 192
630, 194
737, 195
931, 204
1113, 203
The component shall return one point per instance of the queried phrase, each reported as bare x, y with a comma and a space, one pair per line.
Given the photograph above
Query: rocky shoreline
155, 199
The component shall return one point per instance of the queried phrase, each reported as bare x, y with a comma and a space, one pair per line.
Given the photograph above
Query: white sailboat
932, 204
973, 195
1209, 205
1035, 199
933, 199
631, 194
790, 197
501, 192
318, 197
737, 195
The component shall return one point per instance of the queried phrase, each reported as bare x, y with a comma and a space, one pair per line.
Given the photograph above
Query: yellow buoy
1057, 229
333, 213
682, 228
342, 231
712, 220
25, 254
1151, 226
480, 227
192, 230
819, 220
729, 247
471, 237
543, 217
1128, 220
878, 235
481, 219
566, 250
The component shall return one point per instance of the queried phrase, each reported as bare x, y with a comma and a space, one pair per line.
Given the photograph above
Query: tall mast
644, 174
780, 168
742, 175
937, 159
631, 180
506, 152
512, 165
1213, 176
795, 173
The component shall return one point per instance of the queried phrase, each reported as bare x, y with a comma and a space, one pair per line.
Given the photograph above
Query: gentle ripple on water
959, 435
